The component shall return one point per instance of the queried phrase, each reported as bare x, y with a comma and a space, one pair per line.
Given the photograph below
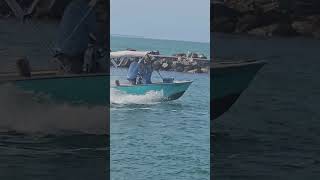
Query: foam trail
118, 97
20, 112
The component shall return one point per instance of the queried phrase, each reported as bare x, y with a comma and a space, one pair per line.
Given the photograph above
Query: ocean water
60, 141
50, 141
45, 140
160, 140
272, 131
165, 47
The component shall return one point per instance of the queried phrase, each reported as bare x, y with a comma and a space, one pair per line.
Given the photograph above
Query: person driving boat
147, 70
140, 71
133, 71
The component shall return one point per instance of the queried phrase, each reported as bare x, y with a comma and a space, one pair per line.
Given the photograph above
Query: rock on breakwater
267, 17
173, 63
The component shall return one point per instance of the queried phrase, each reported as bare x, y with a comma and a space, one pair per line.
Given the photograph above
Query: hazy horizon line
166, 39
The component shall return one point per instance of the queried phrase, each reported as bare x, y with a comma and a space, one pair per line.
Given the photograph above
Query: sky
187, 20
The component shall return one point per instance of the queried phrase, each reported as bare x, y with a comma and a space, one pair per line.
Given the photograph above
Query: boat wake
22, 112
118, 97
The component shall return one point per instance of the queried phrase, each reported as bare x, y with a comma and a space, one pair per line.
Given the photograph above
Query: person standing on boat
77, 23
133, 71
146, 70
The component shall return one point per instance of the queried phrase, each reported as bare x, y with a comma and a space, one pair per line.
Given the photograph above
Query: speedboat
228, 80
90, 89
169, 91
84, 88
169, 88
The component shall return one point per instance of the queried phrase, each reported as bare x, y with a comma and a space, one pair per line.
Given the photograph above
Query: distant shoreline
143, 37
128, 36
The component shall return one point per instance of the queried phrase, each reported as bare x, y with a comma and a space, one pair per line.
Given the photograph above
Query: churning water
160, 140
272, 132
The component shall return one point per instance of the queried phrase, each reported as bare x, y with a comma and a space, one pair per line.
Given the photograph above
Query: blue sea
165, 47
45, 140
272, 131
60, 141
167, 140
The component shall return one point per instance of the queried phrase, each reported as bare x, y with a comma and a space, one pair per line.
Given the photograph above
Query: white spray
20, 112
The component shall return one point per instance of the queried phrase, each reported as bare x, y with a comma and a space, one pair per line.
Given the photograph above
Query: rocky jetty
267, 17
173, 63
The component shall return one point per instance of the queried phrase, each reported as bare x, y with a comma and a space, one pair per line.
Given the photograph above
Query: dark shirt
146, 74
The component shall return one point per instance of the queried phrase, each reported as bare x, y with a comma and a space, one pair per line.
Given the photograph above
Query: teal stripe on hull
231, 84
232, 80
91, 90
227, 84
168, 89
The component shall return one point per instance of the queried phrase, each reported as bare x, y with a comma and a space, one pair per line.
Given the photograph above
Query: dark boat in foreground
228, 81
